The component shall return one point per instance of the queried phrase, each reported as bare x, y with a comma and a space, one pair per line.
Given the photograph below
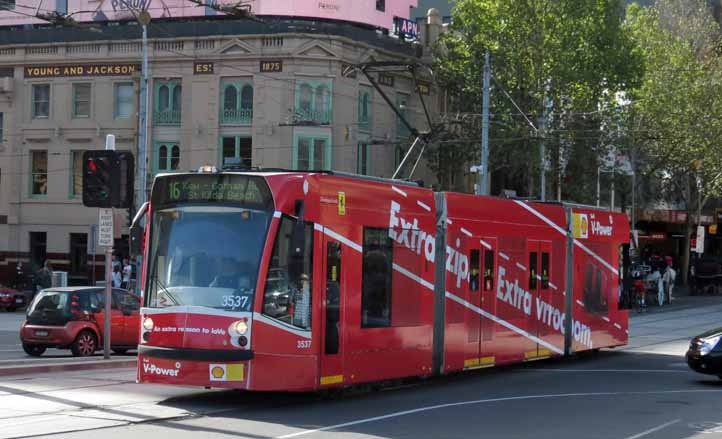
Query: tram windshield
204, 252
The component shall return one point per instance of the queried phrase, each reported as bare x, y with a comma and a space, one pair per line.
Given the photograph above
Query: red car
11, 299
73, 318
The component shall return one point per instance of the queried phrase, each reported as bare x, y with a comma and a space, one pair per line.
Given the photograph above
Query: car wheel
120, 351
84, 345
34, 350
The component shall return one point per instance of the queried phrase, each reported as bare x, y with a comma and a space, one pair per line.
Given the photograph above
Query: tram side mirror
137, 233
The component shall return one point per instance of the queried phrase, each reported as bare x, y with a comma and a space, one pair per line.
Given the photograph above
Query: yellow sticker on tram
342, 203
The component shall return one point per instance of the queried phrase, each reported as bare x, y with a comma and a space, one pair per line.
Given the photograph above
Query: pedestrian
670, 275
117, 277
19, 276
44, 279
656, 279
127, 270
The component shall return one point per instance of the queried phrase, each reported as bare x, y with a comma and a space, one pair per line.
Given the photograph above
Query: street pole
144, 19
542, 147
109, 146
599, 186
484, 174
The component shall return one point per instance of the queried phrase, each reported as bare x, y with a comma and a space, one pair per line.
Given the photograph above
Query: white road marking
485, 244
424, 206
655, 429
503, 256
398, 191
521, 267
466, 232
486, 401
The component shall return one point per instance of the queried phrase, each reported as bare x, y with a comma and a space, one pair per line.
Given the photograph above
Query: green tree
570, 53
679, 101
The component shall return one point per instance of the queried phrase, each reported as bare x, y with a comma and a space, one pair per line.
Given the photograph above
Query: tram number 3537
303, 344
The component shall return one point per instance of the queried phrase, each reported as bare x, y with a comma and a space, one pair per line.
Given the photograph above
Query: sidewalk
681, 300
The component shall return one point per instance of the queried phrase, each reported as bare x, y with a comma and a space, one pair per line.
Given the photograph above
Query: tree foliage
569, 54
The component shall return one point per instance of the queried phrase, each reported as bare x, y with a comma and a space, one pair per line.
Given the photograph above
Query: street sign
105, 227
700, 240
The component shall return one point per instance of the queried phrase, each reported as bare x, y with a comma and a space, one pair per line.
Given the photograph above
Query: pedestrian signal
108, 179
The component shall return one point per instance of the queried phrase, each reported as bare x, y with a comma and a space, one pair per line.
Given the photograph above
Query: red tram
305, 281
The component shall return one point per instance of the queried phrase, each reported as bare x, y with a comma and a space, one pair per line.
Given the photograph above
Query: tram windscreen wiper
166, 292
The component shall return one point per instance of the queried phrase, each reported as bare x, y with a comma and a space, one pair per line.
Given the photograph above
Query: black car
705, 353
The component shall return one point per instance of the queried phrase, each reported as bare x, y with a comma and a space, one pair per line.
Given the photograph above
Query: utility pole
542, 150
484, 174
109, 146
144, 20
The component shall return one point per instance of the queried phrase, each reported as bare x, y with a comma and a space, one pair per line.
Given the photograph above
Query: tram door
539, 272
472, 317
488, 280
332, 314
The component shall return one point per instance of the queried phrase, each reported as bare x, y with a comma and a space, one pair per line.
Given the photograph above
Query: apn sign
406, 28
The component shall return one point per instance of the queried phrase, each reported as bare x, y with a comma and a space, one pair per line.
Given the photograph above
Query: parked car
705, 353
73, 318
11, 299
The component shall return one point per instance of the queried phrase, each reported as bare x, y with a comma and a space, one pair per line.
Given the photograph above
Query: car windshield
49, 301
206, 255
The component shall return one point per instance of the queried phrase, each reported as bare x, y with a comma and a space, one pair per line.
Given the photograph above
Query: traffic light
108, 179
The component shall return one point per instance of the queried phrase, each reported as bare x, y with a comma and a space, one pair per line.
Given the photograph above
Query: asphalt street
642, 391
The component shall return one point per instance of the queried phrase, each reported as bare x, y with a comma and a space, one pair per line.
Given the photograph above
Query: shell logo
218, 372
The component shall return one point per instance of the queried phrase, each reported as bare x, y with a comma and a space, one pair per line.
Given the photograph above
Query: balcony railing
313, 117
243, 116
167, 117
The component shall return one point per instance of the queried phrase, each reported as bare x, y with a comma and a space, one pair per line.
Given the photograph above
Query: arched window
230, 98
177, 98
175, 158
305, 99
163, 97
321, 104
163, 158
247, 97
365, 107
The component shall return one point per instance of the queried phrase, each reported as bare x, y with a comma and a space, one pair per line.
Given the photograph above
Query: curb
66, 367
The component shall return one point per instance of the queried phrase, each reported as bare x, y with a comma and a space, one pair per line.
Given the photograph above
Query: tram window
474, 277
377, 278
532, 271
545, 271
488, 271
287, 296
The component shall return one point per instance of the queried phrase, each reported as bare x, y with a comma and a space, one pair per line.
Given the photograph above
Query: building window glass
237, 150
39, 172
124, 94
363, 165
288, 290
364, 109
313, 102
381, 5
402, 102
312, 153
167, 107
237, 105
41, 101
81, 100
167, 157
76, 174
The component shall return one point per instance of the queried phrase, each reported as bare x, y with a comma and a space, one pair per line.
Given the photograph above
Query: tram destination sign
233, 189
76, 70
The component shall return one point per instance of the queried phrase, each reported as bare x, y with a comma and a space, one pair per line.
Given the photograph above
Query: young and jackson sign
76, 70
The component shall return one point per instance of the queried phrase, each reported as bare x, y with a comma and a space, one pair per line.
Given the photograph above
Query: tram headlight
239, 328
148, 324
